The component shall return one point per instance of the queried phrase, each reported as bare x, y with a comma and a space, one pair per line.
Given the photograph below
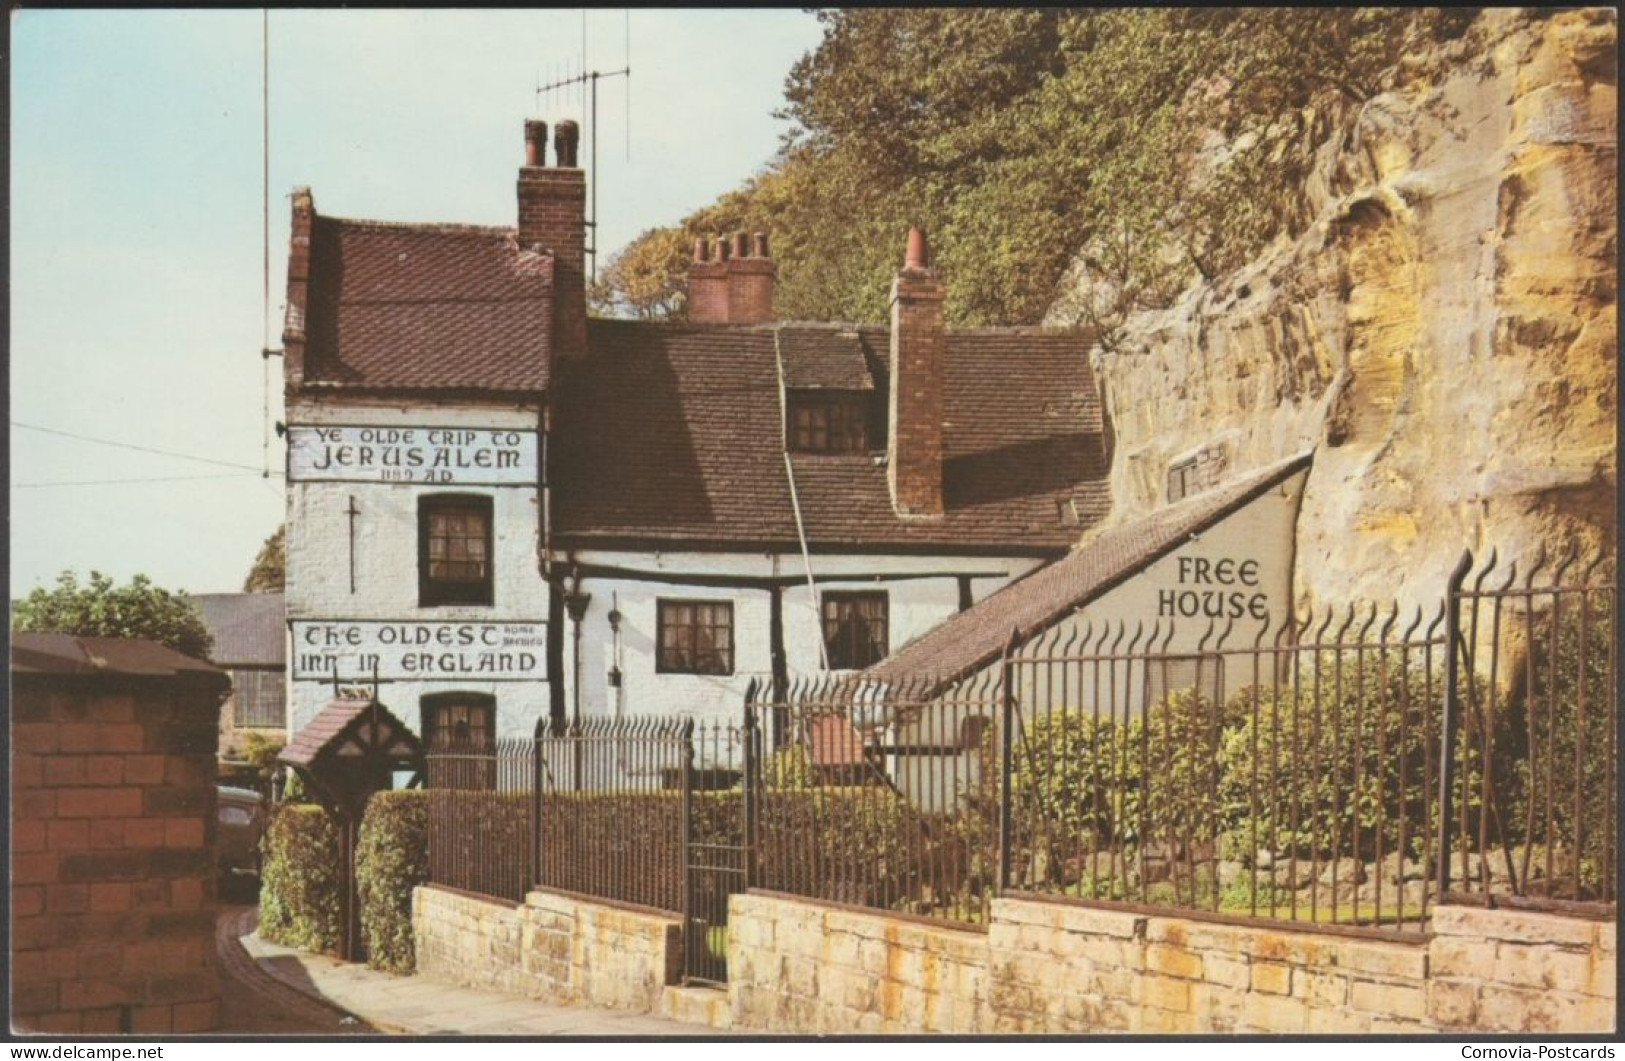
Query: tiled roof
673, 433
68, 654
976, 637
426, 307
340, 719
250, 629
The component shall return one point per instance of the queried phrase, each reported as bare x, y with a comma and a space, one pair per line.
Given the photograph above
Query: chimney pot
535, 143
741, 245
722, 248
761, 245
919, 252
565, 140
702, 250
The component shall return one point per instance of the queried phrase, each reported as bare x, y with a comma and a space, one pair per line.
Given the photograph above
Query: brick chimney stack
708, 285
751, 277
734, 284
552, 216
918, 348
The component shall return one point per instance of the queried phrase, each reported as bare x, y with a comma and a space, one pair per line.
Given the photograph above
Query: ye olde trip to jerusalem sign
467, 456
419, 651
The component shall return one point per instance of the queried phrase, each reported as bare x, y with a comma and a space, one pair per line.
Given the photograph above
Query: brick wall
553, 946
1510, 971
112, 820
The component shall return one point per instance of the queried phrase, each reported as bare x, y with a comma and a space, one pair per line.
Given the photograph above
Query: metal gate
720, 785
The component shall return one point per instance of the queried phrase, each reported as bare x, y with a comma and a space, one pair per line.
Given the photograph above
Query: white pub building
510, 516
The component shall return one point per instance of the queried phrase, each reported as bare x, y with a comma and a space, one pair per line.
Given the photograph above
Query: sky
136, 223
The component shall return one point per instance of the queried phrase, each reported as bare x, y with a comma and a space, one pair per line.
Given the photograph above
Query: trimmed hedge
301, 879
392, 858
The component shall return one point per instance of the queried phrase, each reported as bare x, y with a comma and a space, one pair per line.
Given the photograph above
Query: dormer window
828, 422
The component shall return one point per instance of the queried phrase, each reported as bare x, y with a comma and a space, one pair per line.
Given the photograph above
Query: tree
1114, 155
648, 279
270, 567
103, 609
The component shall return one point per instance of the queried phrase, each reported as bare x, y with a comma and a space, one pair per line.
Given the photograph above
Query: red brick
69, 835
104, 770
28, 933
90, 994
102, 1021
149, 1019
62, 963
55, 1023
67, 899
183, 832
34, 868
105, 834
91, 737
99, 802
33, 803
31, 966
27, 771
186, 894
29, 836
196, 1016
64, 770
183, 987
144, 769
189, 771
149, 895
119, 708
144, 832
109, 898
102, 959
26, 902
32, 997
35, 736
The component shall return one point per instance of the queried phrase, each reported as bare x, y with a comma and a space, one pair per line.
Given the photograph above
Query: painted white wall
915, 605
386, 557
1053, 680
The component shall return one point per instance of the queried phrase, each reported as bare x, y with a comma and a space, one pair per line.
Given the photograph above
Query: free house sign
464, 456
407, 650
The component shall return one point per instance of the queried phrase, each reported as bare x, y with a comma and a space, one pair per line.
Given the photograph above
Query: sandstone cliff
1442, 335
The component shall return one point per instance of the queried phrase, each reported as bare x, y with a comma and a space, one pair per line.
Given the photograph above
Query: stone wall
1507, 971
112, 872
799, 966
553, 946
1058, 967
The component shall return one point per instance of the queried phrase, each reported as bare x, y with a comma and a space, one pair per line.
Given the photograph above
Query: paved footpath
411, 1005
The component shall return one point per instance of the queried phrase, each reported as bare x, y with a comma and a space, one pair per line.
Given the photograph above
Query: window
696, 637
454, 550
854, 629
462, 728
828, 422
257, 699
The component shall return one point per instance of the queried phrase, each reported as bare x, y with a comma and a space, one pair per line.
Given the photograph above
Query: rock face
1443, 334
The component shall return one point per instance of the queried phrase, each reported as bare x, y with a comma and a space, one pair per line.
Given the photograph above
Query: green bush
392, 858
301, 880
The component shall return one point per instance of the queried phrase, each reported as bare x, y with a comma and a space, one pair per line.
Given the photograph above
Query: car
241, 823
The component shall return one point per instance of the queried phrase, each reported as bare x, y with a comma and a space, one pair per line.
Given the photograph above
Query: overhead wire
136, 448
122, 482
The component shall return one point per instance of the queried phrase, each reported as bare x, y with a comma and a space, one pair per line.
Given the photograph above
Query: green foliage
301, 880
260, 751
1320, 771
1121, 152
104, 609
645, 280
392, 858
1556, 747
269, 572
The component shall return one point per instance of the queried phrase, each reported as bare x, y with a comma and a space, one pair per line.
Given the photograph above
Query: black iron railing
1351, 768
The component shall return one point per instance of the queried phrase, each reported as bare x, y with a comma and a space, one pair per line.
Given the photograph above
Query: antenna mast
589, 79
